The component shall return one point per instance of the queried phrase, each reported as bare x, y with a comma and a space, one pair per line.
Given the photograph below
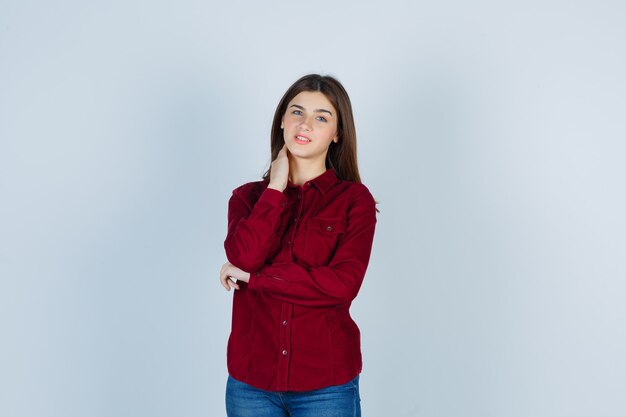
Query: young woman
298, 246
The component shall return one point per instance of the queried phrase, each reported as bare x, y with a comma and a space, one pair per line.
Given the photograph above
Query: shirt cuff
253, 280
273, 197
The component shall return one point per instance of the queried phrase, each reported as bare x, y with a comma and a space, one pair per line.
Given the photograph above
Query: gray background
492, 133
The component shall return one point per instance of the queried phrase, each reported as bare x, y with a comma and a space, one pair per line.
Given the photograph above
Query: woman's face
309, 125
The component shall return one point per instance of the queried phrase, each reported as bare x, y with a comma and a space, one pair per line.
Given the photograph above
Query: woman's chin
297, 151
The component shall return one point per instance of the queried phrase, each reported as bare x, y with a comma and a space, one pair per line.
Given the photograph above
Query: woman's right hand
279, 172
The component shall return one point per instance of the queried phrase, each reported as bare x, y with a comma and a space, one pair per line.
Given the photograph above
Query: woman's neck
301, 170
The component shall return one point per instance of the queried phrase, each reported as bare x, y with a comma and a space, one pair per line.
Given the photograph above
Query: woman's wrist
277, 186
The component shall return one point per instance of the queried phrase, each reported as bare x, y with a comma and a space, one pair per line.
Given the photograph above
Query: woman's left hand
230, 270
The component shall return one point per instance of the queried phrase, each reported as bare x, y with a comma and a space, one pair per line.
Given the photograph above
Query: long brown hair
341, 156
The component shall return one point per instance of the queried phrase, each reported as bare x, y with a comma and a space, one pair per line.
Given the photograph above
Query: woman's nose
305, 124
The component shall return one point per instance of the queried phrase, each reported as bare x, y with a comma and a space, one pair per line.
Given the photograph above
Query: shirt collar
323, 181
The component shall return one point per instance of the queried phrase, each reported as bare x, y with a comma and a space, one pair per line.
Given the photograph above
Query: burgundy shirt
307, 249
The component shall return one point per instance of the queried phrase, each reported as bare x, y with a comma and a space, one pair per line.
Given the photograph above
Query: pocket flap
327, 225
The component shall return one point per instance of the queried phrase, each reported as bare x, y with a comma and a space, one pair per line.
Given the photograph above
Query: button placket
284, 345
296, 219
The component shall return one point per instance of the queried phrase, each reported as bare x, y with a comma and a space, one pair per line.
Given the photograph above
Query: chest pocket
321, 238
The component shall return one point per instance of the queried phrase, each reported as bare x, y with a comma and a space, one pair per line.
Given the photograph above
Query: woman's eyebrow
318, 110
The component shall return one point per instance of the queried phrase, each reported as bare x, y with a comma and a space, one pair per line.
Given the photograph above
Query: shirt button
299, 196
295, 220
285, 352
329, 228
289, 243
284, 322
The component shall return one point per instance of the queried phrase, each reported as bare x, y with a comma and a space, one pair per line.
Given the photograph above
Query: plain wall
492, 133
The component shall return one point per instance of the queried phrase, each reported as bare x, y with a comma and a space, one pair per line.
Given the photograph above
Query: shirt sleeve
338, 282
253, 230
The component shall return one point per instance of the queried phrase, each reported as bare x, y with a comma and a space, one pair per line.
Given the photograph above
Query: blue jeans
243, 400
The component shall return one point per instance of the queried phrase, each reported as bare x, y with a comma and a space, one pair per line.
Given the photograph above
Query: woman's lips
302, 141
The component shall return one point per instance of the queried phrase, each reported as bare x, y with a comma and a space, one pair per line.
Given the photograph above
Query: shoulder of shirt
251, 189
357, 190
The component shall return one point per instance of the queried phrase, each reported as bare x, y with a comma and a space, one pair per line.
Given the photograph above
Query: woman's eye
323, 119
297, 112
